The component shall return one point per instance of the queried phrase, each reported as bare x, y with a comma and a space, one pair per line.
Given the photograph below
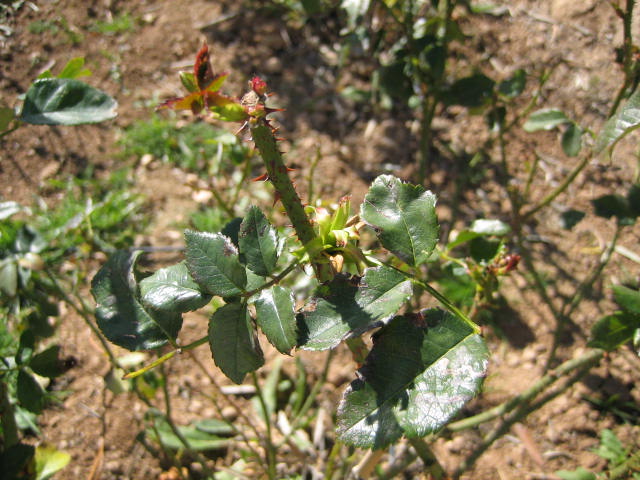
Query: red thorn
290, 169
276, 197
262, 178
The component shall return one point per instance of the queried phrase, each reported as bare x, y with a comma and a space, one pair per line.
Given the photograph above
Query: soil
355, 143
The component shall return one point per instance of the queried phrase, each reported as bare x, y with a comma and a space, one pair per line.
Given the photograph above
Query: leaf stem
166, 357
446, 303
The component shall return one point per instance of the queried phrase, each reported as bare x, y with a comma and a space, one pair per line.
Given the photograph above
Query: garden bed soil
355, 143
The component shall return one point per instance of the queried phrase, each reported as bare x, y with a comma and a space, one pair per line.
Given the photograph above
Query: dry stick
582, 365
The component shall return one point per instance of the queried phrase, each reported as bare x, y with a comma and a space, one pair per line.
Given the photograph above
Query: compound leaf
349, 308
404, 218
172, 289
276, 317
233, 341
66, 101
418, 375
259, 242
121, 316
213, 262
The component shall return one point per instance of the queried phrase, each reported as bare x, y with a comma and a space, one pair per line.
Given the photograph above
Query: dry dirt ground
99, 428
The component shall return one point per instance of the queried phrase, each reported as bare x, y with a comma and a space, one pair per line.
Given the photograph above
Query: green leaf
259, 242
417, 377
172, 289
29, 392
348, 308
233, 341
49, 461
545, 119
25, 347
572, 140
404, 218
65, 101
614, 330
627, 298
515, 85
473, 91
213, 262
578, 474
276, 317
74, 69
121, 316
47, 363
620, 125
198, 439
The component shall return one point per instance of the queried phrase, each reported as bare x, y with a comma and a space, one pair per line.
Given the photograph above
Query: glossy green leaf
49, 461
172, 289
417, 377
404, 218
259, 242
545, 119
276, 317
121, 316
625, 121
572, 140
614, 330
66, 101
29, 392
233, 341
627, 298
25, 347
214, 264
47, 363
347, 308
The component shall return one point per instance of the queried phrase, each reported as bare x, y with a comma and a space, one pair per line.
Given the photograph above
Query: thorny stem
269, 447
277, 171
584, 364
